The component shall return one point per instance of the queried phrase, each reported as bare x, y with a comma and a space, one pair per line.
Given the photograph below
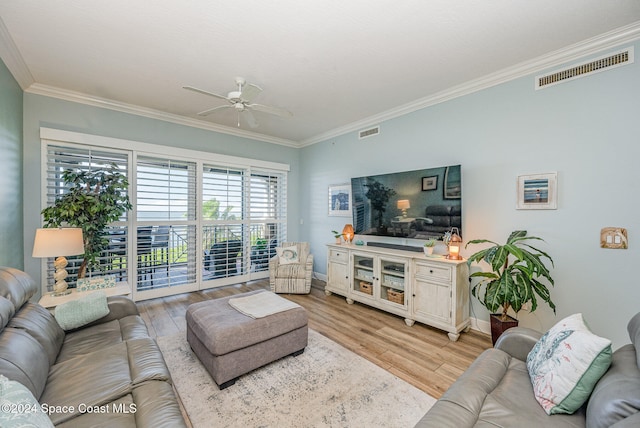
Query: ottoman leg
227, 384
295, 354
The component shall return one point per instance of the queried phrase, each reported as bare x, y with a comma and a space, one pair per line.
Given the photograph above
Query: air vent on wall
369, 132
617, 59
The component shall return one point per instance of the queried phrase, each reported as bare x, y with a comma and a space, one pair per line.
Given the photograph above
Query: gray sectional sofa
109, 373
496, 390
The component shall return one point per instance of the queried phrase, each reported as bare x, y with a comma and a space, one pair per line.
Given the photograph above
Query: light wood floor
421, 355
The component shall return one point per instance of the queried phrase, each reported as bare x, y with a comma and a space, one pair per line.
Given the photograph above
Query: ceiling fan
241, 100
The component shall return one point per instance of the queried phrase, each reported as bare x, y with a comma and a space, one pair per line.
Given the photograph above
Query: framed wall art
537, 192
430, 183
340, 200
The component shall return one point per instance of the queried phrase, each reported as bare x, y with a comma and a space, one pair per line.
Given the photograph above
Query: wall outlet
613, 237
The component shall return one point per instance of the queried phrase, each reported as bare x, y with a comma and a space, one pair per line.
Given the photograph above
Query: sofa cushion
565, 365
76, 313
16, 286
24, 360
19, 406
495, 391
102, 336
634, 333
617, 394
7, 310
120, 413
40, 324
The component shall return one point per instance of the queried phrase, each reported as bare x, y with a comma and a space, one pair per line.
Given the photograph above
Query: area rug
326, 386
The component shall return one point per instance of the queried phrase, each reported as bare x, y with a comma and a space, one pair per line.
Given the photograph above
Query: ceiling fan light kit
241, 101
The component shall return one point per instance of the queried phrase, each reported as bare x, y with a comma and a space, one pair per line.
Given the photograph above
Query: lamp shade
53, 242
348, 232
403, 204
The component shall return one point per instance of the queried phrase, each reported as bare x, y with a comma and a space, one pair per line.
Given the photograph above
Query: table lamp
455, 242
403, 205
348, 233
58, 242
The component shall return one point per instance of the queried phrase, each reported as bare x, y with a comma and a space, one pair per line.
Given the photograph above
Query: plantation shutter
267, 216
166, 222
62, 157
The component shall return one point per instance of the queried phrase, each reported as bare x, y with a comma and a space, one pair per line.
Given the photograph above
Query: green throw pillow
19, 408
566, 364
76, 313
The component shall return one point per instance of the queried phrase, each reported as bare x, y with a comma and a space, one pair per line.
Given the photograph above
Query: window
166, 222
199, 220
59, 158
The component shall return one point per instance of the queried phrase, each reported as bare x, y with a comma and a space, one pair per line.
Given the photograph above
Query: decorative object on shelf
404, 205
348, 233
359, 242
338, 236
340, 200
538, 192
94, 199
513, 280
455, 242
96, 283
428, 247
58, 242
430, 183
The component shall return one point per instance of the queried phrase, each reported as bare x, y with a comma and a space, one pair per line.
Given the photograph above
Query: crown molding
11, 57
77, 97
556, 58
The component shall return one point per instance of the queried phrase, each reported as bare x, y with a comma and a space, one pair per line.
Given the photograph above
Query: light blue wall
586, 130
11, 236
41, 111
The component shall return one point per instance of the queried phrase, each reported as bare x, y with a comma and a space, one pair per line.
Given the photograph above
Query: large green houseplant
516, 270
93, 200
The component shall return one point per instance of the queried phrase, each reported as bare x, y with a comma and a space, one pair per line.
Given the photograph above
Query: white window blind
268, 216
166, 222
195, 217
59, 158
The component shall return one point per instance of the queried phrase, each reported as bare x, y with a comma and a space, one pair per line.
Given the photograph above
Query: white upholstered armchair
291, 268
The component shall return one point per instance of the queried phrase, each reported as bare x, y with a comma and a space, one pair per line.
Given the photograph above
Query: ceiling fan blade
251, 119
249, 92
201, 91
271, 110
212, 110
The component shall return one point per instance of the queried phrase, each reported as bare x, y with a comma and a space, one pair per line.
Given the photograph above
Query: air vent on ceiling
617, 59
369, 132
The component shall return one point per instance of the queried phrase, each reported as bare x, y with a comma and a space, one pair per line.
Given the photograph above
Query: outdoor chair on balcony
290, 270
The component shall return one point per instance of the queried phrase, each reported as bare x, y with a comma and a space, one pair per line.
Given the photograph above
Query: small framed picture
430, 183
340, 200
537, 192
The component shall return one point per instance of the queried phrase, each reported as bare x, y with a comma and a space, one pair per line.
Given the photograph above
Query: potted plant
428, 246
94, 199
338, 236
514, 280
379, 194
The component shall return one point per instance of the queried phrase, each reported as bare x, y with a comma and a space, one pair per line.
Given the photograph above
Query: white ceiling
337, 65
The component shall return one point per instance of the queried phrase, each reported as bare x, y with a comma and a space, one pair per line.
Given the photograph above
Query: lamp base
450, 257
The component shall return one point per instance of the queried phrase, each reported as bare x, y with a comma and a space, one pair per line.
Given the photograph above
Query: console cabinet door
338, 277
338, 271
432, 300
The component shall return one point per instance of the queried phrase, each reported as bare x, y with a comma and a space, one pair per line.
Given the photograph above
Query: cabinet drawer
339, 255
425, 270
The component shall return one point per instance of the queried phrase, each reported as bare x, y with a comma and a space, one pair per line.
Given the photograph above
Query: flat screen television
420, 204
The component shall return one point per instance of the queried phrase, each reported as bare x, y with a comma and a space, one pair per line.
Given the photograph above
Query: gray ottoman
230, 344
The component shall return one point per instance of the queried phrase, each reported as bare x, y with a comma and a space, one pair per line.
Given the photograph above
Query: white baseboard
482, 326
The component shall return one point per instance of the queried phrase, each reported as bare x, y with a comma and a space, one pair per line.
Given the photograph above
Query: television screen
419, 204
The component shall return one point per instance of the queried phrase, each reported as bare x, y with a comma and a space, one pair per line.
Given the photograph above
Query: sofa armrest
518, 341
119, 307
